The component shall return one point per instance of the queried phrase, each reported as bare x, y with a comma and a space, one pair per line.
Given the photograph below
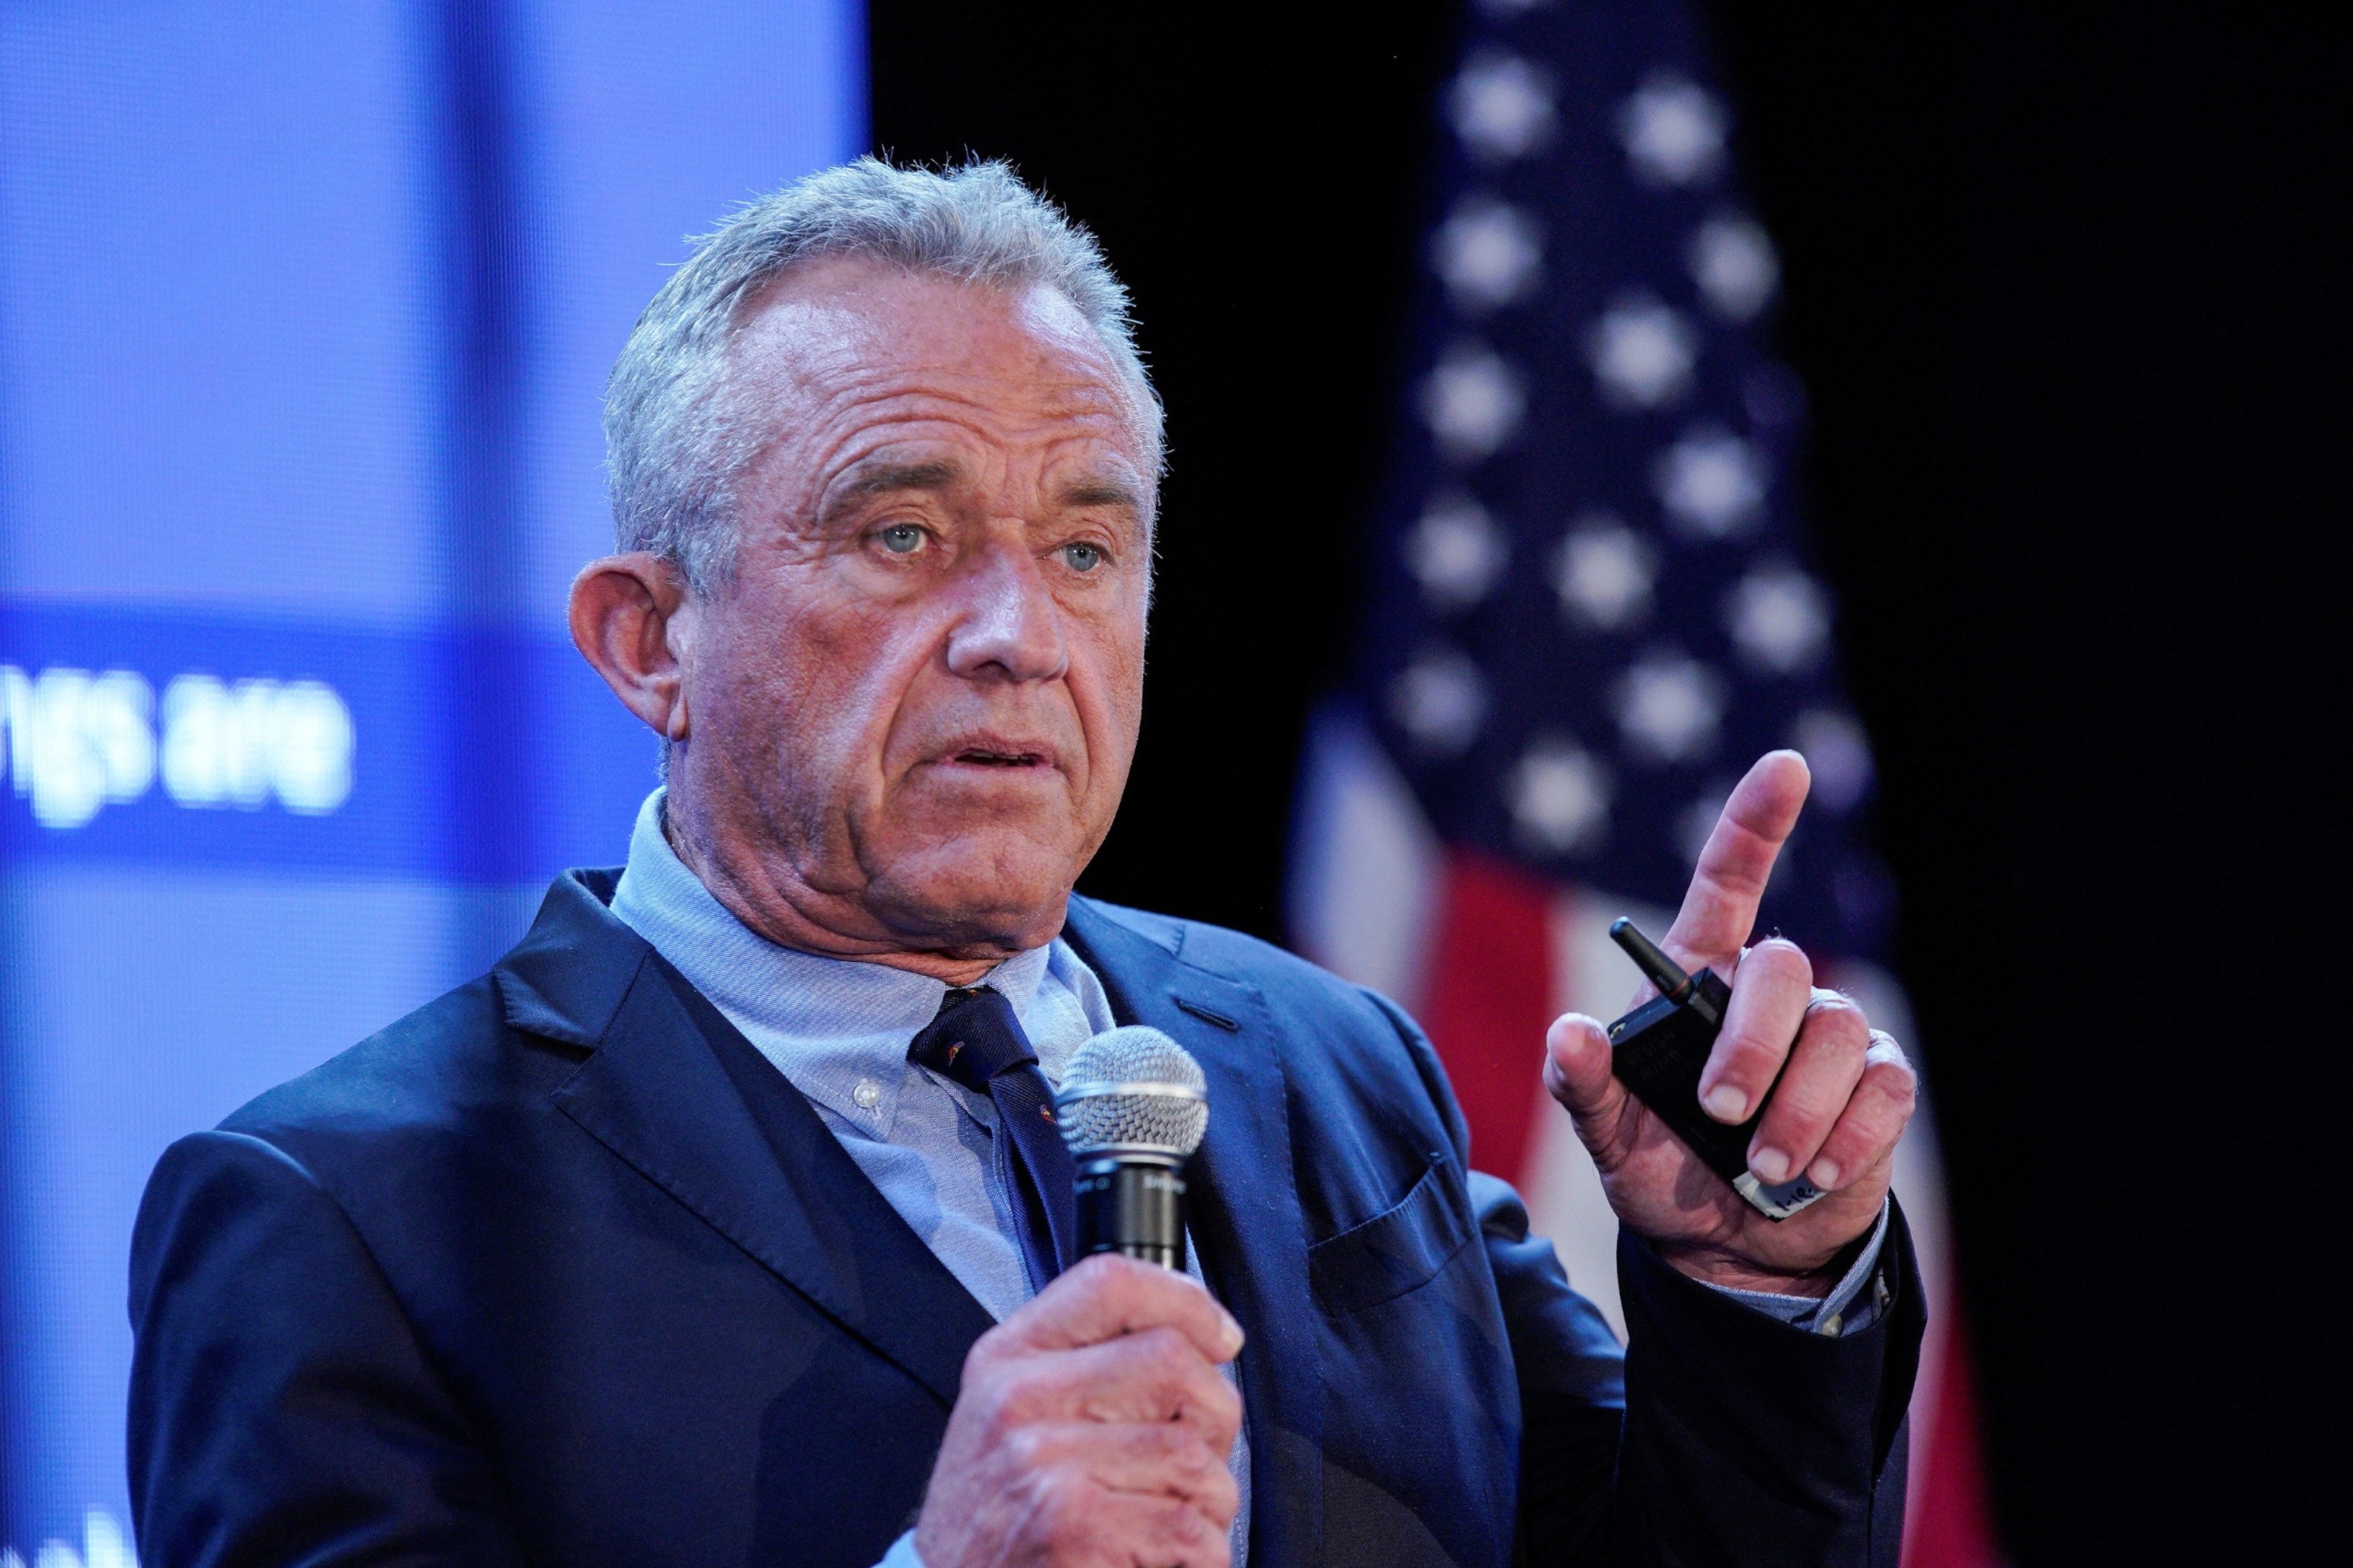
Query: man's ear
632, 618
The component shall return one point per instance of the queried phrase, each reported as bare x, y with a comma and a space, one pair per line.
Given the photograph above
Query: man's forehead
1080, 469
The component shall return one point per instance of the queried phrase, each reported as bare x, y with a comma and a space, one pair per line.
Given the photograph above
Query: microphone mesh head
1154, 1100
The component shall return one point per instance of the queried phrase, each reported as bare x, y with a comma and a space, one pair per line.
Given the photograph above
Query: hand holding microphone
1092, 1425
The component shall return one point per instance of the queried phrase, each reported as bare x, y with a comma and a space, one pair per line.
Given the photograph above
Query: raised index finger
1106, 1295
1720, 910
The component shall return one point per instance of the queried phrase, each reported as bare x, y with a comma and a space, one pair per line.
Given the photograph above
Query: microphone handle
1134, 1204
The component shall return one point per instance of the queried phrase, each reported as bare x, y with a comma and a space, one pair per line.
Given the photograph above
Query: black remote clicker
1658, 1050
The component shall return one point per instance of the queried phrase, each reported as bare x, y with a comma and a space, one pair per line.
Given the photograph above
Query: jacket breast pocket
1398, 1250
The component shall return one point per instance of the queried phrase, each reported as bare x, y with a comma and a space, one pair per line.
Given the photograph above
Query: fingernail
1771, 1164
1724, 1103
1824, 1174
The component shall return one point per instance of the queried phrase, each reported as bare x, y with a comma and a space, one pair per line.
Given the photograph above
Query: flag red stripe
1489, 1000
1951, 1525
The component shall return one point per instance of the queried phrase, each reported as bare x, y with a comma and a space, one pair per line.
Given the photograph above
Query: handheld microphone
1658, 1050
1133, 1106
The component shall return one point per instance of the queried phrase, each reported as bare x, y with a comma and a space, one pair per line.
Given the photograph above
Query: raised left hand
1840, 1107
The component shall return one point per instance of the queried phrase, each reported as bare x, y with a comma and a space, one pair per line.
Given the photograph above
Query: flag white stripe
1365, 867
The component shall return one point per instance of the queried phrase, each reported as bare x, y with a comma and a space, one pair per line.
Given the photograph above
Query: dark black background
2063, 288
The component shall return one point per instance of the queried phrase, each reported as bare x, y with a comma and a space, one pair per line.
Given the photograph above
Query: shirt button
1828, 1327
868, 1094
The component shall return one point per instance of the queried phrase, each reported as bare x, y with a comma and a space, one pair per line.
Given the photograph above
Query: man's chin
975, 899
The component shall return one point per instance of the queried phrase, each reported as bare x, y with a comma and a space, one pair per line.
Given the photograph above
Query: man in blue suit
711, 1225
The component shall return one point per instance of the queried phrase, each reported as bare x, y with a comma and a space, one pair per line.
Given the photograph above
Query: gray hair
675, 445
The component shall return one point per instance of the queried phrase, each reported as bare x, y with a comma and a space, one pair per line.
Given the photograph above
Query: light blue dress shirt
838, 1031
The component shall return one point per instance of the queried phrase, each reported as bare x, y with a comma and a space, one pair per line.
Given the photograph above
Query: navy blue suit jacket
560, 1270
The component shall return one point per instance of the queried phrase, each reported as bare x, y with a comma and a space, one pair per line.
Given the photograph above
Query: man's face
913, 706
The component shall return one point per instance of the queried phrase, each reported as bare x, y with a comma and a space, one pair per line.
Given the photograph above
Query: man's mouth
1013, 752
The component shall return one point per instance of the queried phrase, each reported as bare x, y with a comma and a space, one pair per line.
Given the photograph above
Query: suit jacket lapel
676, 1091
1242, 1205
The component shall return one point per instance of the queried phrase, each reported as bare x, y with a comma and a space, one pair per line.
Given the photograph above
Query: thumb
1577, 1071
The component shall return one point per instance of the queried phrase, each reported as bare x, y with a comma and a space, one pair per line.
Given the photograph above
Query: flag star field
1591, 606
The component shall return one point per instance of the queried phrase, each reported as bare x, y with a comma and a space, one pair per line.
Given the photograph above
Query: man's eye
1083, 558
901, 538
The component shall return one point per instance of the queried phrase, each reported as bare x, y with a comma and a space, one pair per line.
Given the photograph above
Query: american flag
1590, 608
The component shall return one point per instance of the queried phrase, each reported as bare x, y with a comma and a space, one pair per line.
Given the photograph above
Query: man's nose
1010, 627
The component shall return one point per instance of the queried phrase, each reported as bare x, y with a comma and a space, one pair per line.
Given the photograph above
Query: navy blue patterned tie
976, 1041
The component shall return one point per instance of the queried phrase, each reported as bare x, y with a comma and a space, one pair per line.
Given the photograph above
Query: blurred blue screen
305, 312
